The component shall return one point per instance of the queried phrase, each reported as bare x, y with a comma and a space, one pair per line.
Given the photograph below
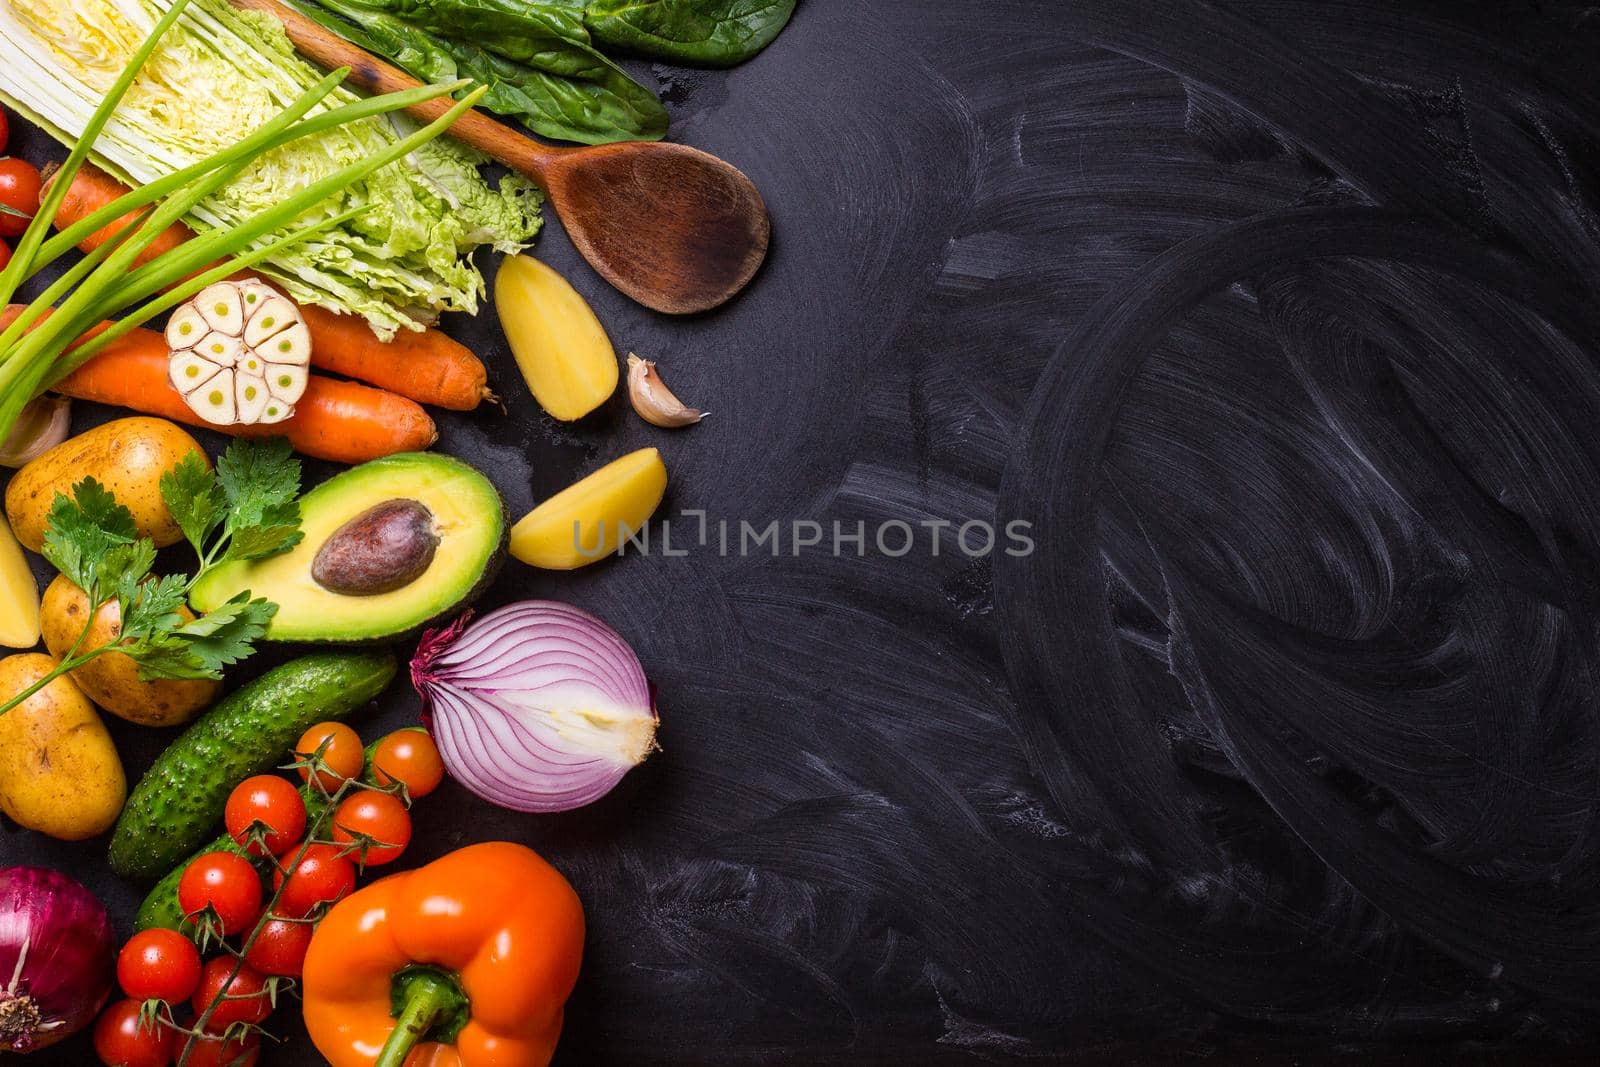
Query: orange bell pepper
467, 962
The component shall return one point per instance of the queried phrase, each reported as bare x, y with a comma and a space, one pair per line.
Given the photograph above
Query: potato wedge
19, 594
587, 521
560, 346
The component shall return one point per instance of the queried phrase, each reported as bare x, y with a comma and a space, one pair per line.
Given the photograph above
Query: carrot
342, 421
426, 366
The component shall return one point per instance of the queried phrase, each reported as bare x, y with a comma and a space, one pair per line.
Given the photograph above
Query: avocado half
467, 518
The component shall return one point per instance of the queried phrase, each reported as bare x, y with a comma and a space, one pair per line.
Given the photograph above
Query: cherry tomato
321, 876
5, 255
280, 947
249, 984
408, 756
382, 817
228, 883
214, 1052
344, 755
19, 191
271, 801
120, 1041
158, 964
5, 131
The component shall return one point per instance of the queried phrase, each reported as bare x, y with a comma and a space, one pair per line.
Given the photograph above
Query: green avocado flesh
468, 520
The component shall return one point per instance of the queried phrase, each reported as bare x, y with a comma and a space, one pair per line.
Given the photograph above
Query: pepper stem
426, 1002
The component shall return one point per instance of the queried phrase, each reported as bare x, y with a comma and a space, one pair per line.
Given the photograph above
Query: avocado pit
386, 547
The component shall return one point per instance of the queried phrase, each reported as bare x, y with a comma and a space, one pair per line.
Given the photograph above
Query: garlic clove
273, 317
220, 348
287, 383
251, 363
275, 411
292, 346
44, 423
254, 294
654, 402
214, 400
188, 371
186, 327
252, 395
221, 307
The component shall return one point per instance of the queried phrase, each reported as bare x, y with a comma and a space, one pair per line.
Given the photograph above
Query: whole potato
112, 680
59, 772
127, 456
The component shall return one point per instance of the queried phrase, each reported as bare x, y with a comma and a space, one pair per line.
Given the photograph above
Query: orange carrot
91, 190
426, 366
336, 420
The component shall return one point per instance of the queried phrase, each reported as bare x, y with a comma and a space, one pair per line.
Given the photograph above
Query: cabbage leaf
222, 72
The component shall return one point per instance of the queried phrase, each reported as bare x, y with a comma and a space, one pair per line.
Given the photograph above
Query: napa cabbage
216, 76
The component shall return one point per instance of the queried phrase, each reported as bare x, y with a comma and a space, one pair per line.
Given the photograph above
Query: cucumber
160, 907
179, 801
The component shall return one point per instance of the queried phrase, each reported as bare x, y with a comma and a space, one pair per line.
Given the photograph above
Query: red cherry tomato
214, 1052
5, 131
5, 255
228, 884
272, 802
321, 876
158, 965
280, 947
344, 755
120, 1041
19, 191
379, 818
249, 984
408, 756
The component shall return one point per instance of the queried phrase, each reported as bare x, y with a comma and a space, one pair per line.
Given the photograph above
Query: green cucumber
160, 907
179, 801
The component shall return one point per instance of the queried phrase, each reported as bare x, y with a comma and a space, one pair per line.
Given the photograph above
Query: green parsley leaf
197, 502
153, 607
261, 480
92, 539
200, 649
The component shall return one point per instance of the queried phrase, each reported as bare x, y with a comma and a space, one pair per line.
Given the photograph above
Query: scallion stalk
22, 257
32, 361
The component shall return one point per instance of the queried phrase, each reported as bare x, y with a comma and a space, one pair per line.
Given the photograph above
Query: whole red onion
57, 957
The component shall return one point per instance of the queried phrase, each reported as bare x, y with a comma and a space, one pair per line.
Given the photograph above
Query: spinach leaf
713, 33
562, 89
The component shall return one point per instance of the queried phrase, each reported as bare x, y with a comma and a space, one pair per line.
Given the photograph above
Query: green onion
268, 138
33, 237
80, 355
34, 360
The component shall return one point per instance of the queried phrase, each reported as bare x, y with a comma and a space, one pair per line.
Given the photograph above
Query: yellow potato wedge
560, 346
585, 522
19, 594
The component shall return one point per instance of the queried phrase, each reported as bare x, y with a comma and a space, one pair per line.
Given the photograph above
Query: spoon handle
330, 51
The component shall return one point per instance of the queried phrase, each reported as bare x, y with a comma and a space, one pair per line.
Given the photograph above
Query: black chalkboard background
1276, 321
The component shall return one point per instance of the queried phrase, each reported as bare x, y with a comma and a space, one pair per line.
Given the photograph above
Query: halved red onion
538, 706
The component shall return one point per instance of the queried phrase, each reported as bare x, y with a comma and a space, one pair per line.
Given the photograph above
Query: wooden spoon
675, 228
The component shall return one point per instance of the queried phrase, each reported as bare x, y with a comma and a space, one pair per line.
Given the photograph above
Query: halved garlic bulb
239, 353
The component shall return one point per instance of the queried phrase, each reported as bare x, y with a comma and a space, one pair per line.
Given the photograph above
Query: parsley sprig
245, 509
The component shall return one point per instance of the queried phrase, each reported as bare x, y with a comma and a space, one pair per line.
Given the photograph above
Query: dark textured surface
1276, 320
